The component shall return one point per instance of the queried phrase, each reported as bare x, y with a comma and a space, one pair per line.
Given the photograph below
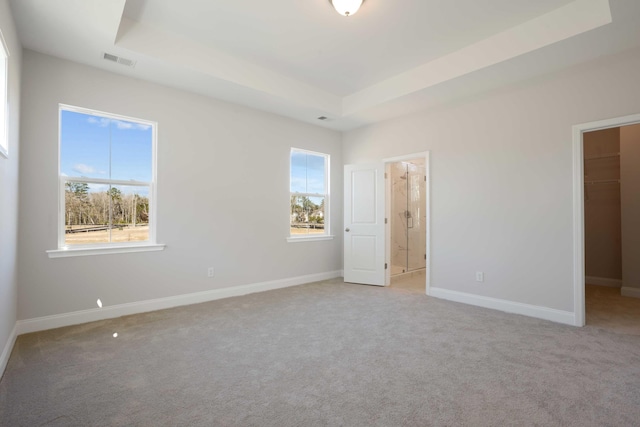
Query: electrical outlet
211, 272
479, 276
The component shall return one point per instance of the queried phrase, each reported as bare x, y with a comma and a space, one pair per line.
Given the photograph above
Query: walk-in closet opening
612, 227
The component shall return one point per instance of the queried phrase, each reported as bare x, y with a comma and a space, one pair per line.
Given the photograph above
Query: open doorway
607, 206
367, 233
612, 229
407, 222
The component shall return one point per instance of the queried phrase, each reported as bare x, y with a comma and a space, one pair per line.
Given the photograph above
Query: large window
4, 108
309, 214
107, 175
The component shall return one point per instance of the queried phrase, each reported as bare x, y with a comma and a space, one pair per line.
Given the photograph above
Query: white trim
427, 159
578, 228
103, 250
578, 206
603, 281
302, 150
153, 189
309, 239
82, 179
298, 194
627, 291
427, 166
110, 312
545, 313
387, 225
111, 116
8, 348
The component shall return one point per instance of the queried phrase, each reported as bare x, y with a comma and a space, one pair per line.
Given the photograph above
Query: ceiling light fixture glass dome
346, 7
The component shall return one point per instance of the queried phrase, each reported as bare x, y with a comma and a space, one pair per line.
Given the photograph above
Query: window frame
4, 98
327, 199
151, 244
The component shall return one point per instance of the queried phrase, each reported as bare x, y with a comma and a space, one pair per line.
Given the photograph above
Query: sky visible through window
307, 173
98, 147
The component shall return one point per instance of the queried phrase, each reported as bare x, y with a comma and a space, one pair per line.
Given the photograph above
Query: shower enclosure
408, 216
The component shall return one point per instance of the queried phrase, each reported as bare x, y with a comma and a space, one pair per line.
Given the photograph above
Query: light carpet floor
323, 354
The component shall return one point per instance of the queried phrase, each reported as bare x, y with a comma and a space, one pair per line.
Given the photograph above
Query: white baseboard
545, 313
603, 281
91, 315
6, 352
627, 291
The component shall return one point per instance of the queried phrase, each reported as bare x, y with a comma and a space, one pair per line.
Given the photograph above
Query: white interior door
364, 232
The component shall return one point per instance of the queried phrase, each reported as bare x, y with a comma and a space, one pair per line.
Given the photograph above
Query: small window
4, 101
309, 188
107, 170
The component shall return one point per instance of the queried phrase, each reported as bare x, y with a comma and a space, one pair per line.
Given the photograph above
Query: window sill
309, 239
71, 252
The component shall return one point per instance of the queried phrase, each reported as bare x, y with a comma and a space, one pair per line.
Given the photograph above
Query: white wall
630, 196
223, 194
501, 171
9, 190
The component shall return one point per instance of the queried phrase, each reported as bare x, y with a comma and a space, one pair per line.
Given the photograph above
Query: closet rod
602, 156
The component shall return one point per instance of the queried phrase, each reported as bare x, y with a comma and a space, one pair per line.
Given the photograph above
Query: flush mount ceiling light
346, 7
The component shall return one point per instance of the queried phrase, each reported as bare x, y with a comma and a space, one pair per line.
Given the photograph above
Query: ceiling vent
119, 60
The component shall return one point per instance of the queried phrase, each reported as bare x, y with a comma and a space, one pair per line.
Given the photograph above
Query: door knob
347, 229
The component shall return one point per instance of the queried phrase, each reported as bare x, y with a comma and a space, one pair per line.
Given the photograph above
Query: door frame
387, 206
579, 272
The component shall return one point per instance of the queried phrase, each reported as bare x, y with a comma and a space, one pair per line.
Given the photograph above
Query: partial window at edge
4, 101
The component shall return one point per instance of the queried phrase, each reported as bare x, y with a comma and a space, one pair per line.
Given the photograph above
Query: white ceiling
303, 60
307, 40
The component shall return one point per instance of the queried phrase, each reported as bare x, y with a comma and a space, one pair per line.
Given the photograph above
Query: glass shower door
408, 217
416, 217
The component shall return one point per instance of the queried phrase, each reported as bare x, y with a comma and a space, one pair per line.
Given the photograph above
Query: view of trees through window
94, 216
308, 193
307, 215
106, 171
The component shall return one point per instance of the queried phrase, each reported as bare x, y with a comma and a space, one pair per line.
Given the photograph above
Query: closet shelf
602, 156
602, 181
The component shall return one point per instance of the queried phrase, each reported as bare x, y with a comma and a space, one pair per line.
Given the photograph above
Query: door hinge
385, 220
425, 178
425, 256
385, 265
385, 175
